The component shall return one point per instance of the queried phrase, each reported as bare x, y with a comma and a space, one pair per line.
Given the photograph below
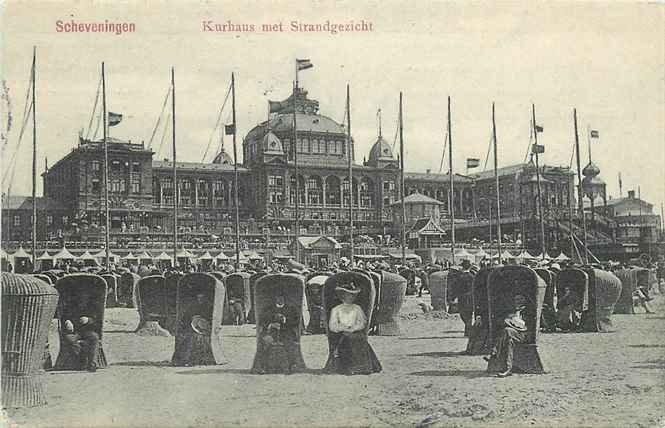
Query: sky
606, 59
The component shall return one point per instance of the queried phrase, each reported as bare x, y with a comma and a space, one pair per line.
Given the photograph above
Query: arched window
314, 190
366, 192
333, 195
345, 192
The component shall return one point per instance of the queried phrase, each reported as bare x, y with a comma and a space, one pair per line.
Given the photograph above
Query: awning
184, 253
45, 256
409, 255
87, 256
251, 255
507, 255
164, 256
205, 256
481, 255
524, 255
130, 256
221, 256
144, 256
21, 254
102, 255
65, 255
464, 254
561, 257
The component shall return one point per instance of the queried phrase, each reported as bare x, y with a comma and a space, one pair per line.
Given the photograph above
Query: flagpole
540, 201
295, 164
106, 174
588, 139
451, 204
498, 200
350, 154
34, 160
175, 171
580, 194
235, 168
620, 186
401, 181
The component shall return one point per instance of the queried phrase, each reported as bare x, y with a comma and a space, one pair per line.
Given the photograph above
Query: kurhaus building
141, 188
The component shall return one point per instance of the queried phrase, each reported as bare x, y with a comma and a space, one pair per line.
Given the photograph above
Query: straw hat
200, 325
348, 288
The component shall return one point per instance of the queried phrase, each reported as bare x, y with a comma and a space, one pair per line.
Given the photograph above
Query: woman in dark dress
347, 324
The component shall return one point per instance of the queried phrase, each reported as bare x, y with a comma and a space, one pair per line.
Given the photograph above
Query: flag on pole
595, 134
275, 106
303, 64
472, 163
114, 118
539, 128
230, 129
537, 149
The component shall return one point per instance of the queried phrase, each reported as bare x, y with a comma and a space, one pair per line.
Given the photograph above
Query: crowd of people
347, 323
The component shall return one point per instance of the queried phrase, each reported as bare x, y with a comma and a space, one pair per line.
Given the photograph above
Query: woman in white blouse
352, 354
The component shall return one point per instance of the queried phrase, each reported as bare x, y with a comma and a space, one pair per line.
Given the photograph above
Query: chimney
631, 194
428, 170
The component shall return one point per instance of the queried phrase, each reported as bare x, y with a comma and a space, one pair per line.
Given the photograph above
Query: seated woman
568, 318
352, 354
513, 331
277, 340
196, 327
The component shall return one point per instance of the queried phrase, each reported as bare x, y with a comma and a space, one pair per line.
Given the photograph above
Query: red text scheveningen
73, 26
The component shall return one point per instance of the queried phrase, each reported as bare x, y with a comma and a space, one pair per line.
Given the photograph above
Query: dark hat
348, 288
465, 263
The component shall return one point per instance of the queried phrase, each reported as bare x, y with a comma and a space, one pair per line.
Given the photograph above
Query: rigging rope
94, 107
99, 121
26, 105
159, 118
526, 155
445, 144
489, 149
396, 134
12, 162
167, 123
217, 123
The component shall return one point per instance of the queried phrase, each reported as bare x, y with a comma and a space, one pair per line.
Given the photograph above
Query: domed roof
593, 181
223, 158
272, 144
591, 170
381, 150
283, 123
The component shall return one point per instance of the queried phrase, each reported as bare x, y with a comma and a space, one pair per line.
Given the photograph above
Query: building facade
142, 191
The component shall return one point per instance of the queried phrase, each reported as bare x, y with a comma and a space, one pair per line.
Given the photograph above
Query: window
388, 186
118, 185
65, 220
185, 185
275, 197
17, 220
117, 165
303, 145
95, 166
96, 185
49, 220
135, 182
275, 180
